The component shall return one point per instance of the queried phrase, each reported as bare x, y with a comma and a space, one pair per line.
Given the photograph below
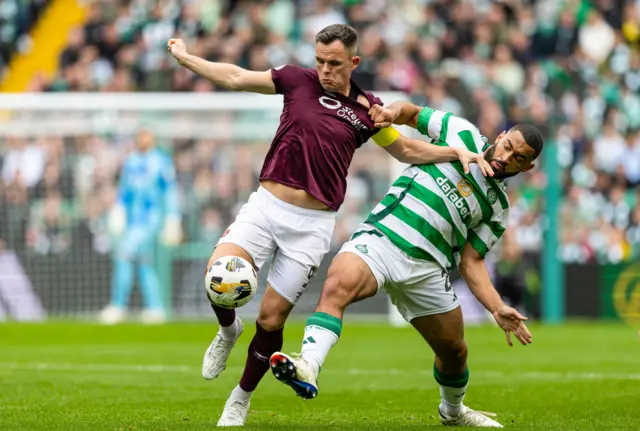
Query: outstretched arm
228, 76
403, 113
474, 271
417, 152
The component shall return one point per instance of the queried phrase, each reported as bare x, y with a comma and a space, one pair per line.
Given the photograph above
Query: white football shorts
298, 239
416, 287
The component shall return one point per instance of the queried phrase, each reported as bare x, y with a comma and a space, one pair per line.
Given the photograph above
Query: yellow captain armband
386, 137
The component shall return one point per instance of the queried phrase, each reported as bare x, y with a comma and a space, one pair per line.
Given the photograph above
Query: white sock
451, 399
320, 335
240, 394
232, 331
452, 390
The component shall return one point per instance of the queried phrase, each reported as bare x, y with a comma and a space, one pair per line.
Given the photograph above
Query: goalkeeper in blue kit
147, 208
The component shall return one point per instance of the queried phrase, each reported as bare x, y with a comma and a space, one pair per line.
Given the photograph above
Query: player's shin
263, 345
320, 335
452, 390
229, 325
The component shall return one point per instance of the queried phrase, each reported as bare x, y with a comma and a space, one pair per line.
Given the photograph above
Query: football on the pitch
231, 282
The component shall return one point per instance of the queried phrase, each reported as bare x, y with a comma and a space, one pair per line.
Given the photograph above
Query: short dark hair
342, 32
532, 136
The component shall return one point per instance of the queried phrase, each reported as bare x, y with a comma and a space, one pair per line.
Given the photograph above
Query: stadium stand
16, 20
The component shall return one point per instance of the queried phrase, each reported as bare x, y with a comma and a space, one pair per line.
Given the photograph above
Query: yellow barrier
49, 37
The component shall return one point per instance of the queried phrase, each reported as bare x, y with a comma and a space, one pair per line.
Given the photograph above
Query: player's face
510, 155
144, 141
334, 64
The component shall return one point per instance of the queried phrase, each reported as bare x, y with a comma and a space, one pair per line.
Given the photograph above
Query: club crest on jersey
465, 188
362, 248
343, 112
492, 196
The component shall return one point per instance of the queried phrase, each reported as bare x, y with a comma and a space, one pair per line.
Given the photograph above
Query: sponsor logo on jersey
226, 232
330, 103
465, 188
451, 193
343, 112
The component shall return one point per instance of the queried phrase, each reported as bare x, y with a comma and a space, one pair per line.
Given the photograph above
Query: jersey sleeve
434, 123
446, 129
287, 77
484, 236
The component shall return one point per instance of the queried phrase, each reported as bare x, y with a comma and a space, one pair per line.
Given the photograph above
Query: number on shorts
312, 272
447, 280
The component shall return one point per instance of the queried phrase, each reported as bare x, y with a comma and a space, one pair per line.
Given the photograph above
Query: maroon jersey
319, 132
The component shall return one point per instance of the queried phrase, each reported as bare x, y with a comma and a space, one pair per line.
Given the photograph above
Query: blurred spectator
23, 163
50, 225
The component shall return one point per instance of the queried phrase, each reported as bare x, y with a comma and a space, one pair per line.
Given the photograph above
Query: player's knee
228, 250
271, 321
454, 351
338, 290
273, 315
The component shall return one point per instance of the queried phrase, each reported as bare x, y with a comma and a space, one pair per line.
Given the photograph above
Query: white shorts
298, 239
416, 287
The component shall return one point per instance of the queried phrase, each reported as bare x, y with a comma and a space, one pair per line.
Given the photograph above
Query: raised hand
177, 48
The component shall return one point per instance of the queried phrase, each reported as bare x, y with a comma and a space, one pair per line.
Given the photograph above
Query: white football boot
297, 373
468, 418
215, 358
234, 413
112, 315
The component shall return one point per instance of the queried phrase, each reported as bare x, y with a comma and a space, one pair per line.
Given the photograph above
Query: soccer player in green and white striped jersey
435, 218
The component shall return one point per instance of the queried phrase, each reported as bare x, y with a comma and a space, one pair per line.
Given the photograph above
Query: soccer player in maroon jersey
302, 184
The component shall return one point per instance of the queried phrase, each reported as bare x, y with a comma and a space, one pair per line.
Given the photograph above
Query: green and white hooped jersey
432, 210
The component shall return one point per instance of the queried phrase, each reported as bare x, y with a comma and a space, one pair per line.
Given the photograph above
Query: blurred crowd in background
566, 65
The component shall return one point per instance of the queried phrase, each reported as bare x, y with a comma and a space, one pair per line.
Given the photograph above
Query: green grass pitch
77, 376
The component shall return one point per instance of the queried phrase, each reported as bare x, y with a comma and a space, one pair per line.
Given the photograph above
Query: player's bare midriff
293, 196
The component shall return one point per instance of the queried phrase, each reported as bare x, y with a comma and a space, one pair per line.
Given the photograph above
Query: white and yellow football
231, 282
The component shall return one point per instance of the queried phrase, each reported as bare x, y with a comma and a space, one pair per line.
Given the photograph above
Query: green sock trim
326, 321
451, 380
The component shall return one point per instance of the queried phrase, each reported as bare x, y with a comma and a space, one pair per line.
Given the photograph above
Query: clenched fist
382, 117
178, 49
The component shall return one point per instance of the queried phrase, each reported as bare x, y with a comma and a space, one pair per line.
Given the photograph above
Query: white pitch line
525, 375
